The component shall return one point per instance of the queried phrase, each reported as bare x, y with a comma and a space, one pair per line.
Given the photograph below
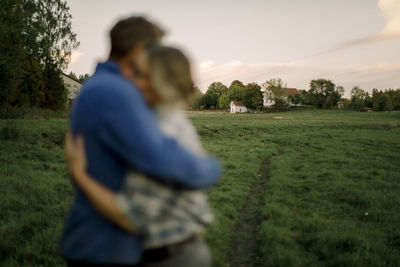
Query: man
120, 133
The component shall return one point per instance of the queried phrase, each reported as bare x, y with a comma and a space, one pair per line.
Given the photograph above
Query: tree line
36, 42
219, 96
322, 94
378, 100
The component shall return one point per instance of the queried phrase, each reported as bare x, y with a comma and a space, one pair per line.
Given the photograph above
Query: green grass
334, 193
334, 188
35, 191
332, 198
27, 112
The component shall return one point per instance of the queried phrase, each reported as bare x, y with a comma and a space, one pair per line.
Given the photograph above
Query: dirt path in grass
245, 245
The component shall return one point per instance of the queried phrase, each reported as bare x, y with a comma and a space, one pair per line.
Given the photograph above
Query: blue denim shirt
121, 133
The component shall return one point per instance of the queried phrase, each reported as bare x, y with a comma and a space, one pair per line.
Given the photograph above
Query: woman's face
143, 81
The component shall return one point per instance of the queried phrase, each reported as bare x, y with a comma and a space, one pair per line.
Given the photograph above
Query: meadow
306, 188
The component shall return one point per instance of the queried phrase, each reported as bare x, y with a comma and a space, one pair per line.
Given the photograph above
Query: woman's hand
75, 154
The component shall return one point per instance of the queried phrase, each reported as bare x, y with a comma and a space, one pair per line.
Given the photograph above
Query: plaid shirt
164, 214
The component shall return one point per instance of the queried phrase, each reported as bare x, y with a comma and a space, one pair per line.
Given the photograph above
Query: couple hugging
136, 160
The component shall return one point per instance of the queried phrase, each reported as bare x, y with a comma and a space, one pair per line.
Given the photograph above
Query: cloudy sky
353, 42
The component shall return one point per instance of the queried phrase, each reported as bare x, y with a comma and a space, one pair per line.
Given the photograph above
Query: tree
236, 83
339, 92
358, 97
305, 97
209, 101
382, 103
346, 103
53, 45
296, 99
253, 97
223, 101
318, 89
49, 33
368, 101
276, 92
85, 77
217, 88
31, 90
196, 99
324, 94
375, 94
396, 101
13, 54
34, 30
55, 91
394, 97
235, 93
214, 92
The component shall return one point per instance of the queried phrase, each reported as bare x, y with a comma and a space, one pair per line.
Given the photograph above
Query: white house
237, 106
267, 97
73, 87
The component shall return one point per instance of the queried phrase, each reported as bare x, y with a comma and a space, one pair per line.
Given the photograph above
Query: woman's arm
102, 198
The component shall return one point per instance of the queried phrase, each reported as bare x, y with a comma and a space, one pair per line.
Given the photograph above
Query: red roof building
238, 103
292, 91
268, 97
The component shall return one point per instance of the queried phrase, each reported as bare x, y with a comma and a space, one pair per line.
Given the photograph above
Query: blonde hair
170, 74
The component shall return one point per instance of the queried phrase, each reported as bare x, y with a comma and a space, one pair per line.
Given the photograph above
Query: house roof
238, 103
292, 91
71, 78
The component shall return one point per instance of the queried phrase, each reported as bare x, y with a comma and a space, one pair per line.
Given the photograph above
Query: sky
352, 43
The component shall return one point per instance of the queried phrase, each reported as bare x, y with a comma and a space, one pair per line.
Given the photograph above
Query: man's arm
129, 128
102, 198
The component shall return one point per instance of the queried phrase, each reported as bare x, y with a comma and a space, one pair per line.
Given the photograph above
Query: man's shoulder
106, 88
107, 84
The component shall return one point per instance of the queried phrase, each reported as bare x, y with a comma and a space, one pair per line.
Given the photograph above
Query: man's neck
125, 68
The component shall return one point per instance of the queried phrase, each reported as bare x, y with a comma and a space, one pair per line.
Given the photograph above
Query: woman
169, 218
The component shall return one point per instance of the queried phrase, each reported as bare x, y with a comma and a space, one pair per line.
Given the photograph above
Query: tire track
245, 244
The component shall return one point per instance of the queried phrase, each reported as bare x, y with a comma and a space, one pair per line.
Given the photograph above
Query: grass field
309, 188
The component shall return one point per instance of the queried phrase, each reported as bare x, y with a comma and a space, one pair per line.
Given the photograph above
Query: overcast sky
351, 42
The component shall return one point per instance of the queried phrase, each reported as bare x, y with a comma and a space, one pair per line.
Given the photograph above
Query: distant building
237, 107
73, 87
268, 96
367, 109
